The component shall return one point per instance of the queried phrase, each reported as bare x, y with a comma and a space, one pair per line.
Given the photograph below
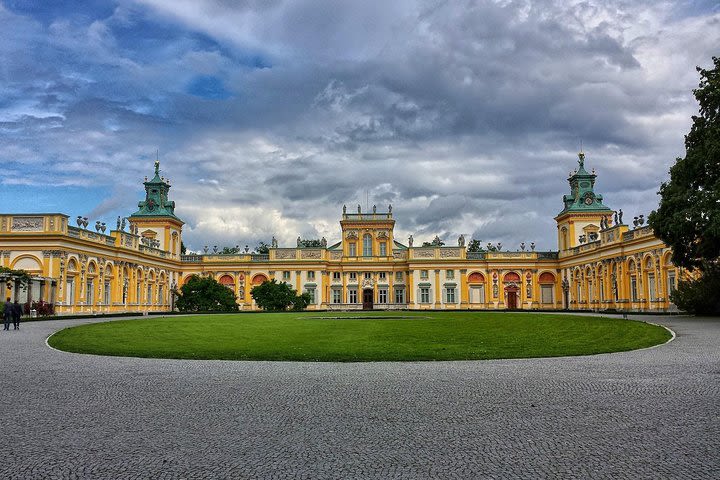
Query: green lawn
304, 336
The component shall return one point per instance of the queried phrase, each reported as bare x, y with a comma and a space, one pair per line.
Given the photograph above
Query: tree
230, 250
262, 248
205, 294
183, 249
278, 297
14, 278
474, 246
313, 242
688, 217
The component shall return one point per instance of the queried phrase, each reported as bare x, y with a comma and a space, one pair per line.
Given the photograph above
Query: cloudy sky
269, 115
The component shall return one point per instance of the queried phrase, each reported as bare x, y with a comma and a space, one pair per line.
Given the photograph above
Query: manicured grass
384, 337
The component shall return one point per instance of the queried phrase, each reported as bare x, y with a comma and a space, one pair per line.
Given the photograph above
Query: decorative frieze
311, 254
450, 252
424, 253
284, 254
27, 224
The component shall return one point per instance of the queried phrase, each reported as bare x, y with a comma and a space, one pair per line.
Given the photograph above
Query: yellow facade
599, 265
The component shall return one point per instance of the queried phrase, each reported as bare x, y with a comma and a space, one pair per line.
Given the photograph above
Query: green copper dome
582, 197
156, 202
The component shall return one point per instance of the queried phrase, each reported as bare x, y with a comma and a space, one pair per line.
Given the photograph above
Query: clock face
588, 201
150, 205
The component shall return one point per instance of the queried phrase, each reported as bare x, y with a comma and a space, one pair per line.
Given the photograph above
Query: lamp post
566, 289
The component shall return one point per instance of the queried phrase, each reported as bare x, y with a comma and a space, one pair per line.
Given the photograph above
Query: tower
580, 220
368, 235
155, 220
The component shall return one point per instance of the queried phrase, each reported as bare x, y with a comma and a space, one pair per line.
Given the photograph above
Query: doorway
512, 297
368, 299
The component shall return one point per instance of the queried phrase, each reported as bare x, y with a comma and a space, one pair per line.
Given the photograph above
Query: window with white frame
352, 295
546, 294
399, 295
311, 275
450, 295
89, 293
424, 274
633, 289
383, 249
671, 282
311, 292
352, 249
382, 276
336, 276
149, 295
160, 295
382, 295
69, 291
367, 245
449, 274
106, 293
368, 275
424, 295
353, 276
336, 295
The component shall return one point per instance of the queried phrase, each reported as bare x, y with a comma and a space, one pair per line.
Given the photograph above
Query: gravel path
646, 414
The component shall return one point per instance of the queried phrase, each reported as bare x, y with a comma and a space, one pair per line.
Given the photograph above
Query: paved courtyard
645, 414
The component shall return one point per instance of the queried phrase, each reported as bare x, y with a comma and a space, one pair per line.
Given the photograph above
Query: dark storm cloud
269, 116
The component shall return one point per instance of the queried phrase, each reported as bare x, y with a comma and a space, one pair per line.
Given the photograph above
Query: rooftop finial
581, 160
157, 167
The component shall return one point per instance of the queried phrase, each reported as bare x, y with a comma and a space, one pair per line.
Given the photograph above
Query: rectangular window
382, 276
477, 294
70, 292
337, 295
651, 287
286, 276
89, 293
383, 249
449, 274
106, 293
311, 292
424, 295
160, 295
633, 289
398, 276
399, 295
311, 275
353, 276
546, 294
671, 282
352, 295
450, 295
368, 275
352, 252
138, 294
424, 274
382, 295
149, 295
336, 275
367, 245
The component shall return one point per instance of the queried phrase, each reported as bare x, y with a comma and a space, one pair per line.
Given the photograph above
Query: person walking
17, 312
8, 314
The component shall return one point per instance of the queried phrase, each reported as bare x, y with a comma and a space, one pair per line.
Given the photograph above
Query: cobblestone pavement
645, 414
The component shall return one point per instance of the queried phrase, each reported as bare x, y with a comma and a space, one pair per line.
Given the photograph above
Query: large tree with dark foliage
278, 297
688, 218
205, 294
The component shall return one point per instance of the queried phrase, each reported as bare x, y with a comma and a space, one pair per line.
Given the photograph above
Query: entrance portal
368, 299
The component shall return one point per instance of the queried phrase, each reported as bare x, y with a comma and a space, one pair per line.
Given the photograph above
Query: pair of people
12, 312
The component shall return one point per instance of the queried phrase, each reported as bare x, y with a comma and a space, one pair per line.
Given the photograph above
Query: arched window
367, 245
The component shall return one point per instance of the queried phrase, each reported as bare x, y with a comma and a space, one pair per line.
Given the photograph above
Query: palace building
601, 263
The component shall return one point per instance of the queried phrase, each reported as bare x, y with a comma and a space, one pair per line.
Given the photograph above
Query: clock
150, 204
588, 200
